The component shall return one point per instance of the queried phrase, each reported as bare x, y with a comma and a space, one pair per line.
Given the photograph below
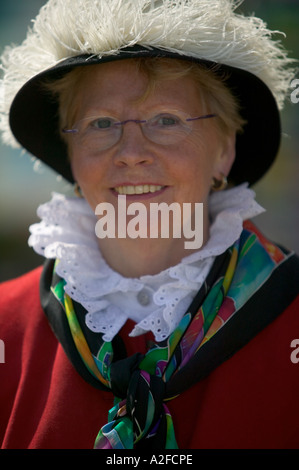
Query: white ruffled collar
156, 303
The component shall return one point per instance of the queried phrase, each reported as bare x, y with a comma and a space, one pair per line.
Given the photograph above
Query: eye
102, 123
167, 120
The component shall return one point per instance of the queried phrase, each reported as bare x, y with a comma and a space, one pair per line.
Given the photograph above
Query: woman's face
180, 172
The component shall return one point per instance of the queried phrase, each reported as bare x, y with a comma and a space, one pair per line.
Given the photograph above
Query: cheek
74, 158
195, 166
84, 168
80, 171
194, 170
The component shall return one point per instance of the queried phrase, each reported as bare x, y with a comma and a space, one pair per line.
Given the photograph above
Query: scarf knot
141, 419
140, 409
145, 404
121, 372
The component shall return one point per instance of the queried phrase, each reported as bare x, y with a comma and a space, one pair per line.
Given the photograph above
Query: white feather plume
208, 29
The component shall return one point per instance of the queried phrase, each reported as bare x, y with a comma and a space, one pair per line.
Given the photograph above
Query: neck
145, 256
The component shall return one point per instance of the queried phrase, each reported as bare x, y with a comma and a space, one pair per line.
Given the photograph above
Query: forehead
123, 83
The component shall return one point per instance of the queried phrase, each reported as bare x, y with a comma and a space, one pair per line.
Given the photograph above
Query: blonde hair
214, 95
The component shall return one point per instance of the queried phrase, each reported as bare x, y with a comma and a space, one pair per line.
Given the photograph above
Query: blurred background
22, 188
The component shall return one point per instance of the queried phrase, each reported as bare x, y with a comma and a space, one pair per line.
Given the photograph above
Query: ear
226, 156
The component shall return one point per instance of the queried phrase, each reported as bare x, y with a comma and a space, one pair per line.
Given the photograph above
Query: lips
137, 189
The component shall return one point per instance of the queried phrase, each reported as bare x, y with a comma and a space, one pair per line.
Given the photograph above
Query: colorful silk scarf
142, 384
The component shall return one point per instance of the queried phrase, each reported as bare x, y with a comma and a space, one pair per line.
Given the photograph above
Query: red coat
249, 401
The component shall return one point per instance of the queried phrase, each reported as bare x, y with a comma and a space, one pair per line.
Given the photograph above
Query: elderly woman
142, 341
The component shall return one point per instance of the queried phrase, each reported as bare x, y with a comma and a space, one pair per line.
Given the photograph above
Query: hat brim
34, 115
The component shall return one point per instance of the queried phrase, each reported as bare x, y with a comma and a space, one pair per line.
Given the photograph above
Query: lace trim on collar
156, 303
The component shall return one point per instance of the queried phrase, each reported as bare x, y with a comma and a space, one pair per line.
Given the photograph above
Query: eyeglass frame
136, 121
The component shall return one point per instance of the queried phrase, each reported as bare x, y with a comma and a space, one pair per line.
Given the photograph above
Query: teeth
139, 189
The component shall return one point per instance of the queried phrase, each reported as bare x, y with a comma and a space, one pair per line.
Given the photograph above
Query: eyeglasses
102, 132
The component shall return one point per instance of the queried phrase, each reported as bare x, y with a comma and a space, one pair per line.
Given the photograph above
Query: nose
133, 148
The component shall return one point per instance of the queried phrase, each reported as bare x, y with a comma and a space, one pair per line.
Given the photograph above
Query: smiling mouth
138, 189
